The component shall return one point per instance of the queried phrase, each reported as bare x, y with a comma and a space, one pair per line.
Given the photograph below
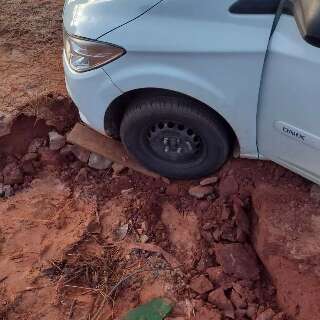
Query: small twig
72, 309
98, 217
100, 308
83, 288
3, 278
55, 265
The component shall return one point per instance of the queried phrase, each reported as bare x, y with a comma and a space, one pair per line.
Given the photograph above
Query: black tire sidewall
138, 120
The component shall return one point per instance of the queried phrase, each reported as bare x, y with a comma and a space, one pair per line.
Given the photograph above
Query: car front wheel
175, 137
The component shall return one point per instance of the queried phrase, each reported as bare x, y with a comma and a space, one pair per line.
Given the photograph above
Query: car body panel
289, 112
91, 19
201, 51
92, 92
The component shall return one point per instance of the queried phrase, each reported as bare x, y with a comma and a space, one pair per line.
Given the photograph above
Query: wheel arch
116, 110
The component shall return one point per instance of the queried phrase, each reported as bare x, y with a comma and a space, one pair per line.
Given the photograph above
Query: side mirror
307, 15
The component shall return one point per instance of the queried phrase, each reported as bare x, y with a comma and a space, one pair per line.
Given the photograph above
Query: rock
225, 214
217, 234
201, 284
6, 121
8, 191
66, 150
215, 274
315, 193
287, 240
208, 181
12, 174
280, 316
118, 168
252, 310
219, 299
56, 141
206, 235
237, 300
241, 236
144, 238
207, 313
49, 157
28, 168
82, 174
36, 144
242, 219
204, 205
31, 156
122, 231
99, 162
219, 278
266, 315
200, 192
238, 260
228, 187
80, 153
208, 226
126, 192
183, 308
228, 232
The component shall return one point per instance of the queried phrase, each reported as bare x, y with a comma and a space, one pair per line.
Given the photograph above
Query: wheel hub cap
174, 142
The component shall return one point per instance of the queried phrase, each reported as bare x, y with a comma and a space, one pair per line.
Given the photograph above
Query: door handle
255, 6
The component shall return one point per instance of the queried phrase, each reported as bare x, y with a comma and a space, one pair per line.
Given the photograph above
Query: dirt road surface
82, 243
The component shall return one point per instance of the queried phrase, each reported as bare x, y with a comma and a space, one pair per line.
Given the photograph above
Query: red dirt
66, 235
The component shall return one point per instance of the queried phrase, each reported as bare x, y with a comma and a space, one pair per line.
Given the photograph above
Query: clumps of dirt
26, 142
82, 242
30, 52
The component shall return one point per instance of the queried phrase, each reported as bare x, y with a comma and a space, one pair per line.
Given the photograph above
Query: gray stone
118, 168
208, 181
80, 153
99, 162
200, 192
56, 141
315, 192
36, 144
12, 174
30, 156
66, 150
144, 238
8, 191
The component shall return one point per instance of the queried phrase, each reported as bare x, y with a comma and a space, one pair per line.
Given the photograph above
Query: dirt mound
288, 242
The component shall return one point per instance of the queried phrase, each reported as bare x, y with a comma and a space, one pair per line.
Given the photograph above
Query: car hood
94, 18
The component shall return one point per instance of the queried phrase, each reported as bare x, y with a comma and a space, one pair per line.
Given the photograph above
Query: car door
289, 108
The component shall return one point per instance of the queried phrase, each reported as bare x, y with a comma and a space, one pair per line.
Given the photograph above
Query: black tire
175, 136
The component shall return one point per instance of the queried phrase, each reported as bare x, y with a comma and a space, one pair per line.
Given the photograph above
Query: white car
185, 83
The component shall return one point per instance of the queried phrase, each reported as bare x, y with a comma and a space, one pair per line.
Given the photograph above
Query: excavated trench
70, 233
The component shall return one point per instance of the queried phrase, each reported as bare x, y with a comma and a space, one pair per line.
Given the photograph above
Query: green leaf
156, 309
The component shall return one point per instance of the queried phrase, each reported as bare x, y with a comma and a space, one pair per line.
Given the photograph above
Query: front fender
132, 75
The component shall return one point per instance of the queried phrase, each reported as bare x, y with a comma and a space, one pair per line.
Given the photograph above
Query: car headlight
83, 54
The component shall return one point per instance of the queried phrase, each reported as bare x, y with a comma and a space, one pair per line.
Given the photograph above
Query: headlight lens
83, 55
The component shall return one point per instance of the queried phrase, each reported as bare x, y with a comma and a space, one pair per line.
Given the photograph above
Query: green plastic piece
156, 309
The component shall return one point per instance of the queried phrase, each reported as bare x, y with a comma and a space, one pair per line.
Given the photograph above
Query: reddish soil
77, 243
